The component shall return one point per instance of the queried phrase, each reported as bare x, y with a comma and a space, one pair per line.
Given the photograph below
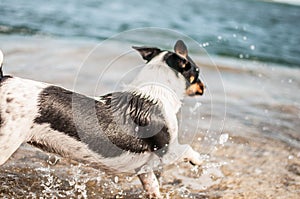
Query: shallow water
247, 124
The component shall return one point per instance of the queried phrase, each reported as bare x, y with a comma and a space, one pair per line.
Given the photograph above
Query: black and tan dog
128, 131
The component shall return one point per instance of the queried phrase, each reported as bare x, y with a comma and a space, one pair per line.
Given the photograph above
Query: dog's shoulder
140, 119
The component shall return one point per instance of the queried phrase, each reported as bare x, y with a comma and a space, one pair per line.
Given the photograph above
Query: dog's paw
197, 160
194, 158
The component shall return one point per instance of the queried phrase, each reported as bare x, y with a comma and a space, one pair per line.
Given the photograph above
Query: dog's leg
15, 127
190, 155
10, 141
182, 152
150, 184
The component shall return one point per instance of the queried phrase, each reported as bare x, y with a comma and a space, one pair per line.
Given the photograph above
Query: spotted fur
119, 132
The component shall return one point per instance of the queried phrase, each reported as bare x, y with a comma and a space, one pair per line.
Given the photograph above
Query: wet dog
133, 130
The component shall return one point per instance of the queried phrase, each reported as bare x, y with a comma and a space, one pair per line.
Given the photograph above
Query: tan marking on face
192, 78
195, 89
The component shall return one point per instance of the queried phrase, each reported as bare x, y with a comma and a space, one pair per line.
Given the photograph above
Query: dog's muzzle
196, 88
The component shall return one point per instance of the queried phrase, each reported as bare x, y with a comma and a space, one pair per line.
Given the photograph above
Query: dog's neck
159, 82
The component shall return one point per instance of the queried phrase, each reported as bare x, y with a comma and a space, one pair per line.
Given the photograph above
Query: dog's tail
1, 63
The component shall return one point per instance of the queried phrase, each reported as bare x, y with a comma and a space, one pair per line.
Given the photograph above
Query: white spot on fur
159, 82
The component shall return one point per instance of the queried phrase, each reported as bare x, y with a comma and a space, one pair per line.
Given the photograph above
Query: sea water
249, 29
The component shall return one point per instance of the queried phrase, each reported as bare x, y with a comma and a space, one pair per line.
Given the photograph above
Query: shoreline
253, 106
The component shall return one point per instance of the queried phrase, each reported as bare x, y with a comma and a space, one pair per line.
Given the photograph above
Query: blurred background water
247, 29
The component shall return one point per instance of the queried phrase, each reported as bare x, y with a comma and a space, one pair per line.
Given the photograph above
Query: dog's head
180, 62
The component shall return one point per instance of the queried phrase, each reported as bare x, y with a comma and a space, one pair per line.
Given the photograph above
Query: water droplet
223, 138
197, 105
244, 38
234, 35
52, 160
205, 44
241, 56
195, 169
116, 179
252, 47
219, 37
258, 171
290, 80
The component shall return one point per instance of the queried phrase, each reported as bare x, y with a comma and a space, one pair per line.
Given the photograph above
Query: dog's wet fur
119, 132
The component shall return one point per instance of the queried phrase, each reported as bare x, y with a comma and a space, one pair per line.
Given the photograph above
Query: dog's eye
184, 61
187, 65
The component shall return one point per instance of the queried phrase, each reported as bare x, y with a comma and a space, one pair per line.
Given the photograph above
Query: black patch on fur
185, 67
175, 62
142, 118
3, 78
43, 146
9, 99
125, 122
56, 109
147, 52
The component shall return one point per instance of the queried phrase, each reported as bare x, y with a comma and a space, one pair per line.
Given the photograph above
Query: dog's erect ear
147, 52
181, 49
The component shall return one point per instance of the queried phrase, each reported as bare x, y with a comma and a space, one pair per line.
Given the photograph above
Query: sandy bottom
244, 168
246, 125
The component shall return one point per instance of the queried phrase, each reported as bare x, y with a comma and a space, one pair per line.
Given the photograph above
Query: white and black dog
120, 132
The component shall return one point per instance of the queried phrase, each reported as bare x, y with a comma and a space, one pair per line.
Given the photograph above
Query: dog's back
122, 127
